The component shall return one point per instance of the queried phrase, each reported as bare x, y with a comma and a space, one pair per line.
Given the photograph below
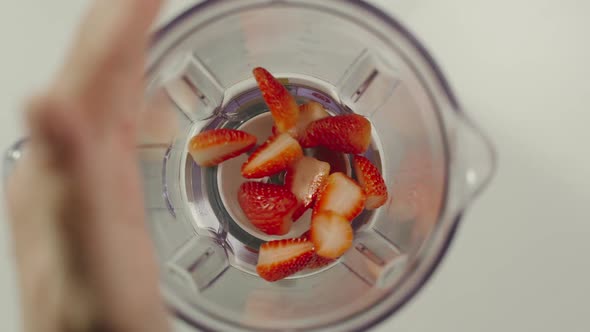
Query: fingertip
142, 13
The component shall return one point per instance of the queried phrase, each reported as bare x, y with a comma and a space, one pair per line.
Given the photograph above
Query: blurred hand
84, 257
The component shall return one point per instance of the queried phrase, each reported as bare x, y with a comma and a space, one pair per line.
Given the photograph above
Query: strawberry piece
306, 235
338, 161
371, 181
331, 234
317, 261
341, 195
299, 211
281, 103
275, 131
273, 156
213, 147
343, 133
306, 178
280, 259
309, 112
268, 206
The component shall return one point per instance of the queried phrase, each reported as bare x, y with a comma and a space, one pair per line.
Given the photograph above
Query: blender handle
474, 163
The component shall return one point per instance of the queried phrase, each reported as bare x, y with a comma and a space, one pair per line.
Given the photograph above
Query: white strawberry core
330, 238
273, 150
218, 151
283, 252
307, 170
310, 112
344, 194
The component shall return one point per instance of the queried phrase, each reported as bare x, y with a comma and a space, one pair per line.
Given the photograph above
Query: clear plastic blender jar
350, 57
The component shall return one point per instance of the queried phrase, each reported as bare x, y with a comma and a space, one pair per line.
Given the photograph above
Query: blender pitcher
351, 58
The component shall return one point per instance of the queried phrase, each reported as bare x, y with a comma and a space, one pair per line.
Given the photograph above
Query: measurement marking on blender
212, 281
369, 254
349, 73
365, 86
166, 193
384, 237
195, 89
201, 259
365, 280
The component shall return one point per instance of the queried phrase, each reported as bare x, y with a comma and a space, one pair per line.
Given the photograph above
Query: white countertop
521, 69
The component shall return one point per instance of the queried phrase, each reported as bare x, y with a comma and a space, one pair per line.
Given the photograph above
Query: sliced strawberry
317, 261
268, 206
337, 160
343, 133
213, 147
371, 181
331, 234
305, 178
272, 157
280, 259
306, 235
275, 131
299, 211
281, 103
309, 112
341, 195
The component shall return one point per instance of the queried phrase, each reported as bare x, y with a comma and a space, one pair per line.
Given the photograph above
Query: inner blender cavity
219, 185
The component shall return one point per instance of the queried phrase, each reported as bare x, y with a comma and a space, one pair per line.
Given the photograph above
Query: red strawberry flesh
280, 102
273, 156
309, 112
343, 133
213, 147
280, 259
318, 262
269, 207
371, 181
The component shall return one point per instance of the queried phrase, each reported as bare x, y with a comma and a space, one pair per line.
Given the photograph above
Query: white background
520, 260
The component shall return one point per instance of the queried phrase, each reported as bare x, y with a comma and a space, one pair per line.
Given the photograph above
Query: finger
57, 133
106, 59
113, 33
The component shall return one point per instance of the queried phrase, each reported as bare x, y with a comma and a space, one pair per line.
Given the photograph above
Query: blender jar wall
433, 158
371, 66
